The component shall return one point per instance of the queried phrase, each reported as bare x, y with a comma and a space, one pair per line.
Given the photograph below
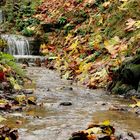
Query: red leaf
2, 76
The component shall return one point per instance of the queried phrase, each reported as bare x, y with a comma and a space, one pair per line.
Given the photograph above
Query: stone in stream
65, 104
66, 88
28, 91
126, 77
138, 111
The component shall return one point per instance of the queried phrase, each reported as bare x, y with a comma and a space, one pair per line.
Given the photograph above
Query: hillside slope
90, 38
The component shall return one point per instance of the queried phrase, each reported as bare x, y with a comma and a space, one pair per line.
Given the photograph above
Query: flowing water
29, 58
52, 121
1, 16
17, 45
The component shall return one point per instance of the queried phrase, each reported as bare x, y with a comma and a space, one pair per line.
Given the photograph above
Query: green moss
27, 32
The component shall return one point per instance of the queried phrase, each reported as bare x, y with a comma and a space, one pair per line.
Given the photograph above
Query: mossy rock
128, 77
121, 88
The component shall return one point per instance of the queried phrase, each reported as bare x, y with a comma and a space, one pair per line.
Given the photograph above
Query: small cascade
1, 16
17, 45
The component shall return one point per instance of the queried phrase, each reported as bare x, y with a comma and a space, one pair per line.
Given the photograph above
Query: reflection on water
125, 120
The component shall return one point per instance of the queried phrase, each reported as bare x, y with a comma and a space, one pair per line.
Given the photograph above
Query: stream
51, 120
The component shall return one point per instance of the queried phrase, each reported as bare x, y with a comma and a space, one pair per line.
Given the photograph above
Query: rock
117, 108
28, 91
131, 93
127, 77
19, 122
24, 66
13, 134
103, 104
66, 88
138, 111
38, 62
70, 88
130, 134
48, 89
65, 104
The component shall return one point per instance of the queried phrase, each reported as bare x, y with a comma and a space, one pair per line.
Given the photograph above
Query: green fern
7, 59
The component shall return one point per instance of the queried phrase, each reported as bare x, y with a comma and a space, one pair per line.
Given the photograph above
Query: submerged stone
65, 104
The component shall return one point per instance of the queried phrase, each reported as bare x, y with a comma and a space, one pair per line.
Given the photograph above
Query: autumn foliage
95, 40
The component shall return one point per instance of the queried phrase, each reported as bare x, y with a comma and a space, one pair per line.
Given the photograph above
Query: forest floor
64, 108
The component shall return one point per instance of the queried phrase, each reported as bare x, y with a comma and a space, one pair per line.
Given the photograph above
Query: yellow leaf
66, 75
106, 123
135, 105
20, 98
43, 46
14, 83
3, 101
138, 104
74, 45
94, 130
132, 105
137, 24
7, 138
68, 37
17, 87
2, 119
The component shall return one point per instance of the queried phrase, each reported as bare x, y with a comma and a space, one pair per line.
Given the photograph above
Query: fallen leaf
20, 98
2, 118
130, 23
106, 123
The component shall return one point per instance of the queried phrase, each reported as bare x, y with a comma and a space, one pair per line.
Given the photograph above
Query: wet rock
130, 134
38, 62
100, 102
127, 77
25, 64
48, 89
70, 88
117, 108
19, 122
5, 86
103, 104
28, 91
127, 136
132, 93
138, 111
8, 133
16, 108
67, 88
14, 134
65, 104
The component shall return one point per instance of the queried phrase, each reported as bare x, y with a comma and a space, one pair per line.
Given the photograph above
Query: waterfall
1, 16
17, 45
